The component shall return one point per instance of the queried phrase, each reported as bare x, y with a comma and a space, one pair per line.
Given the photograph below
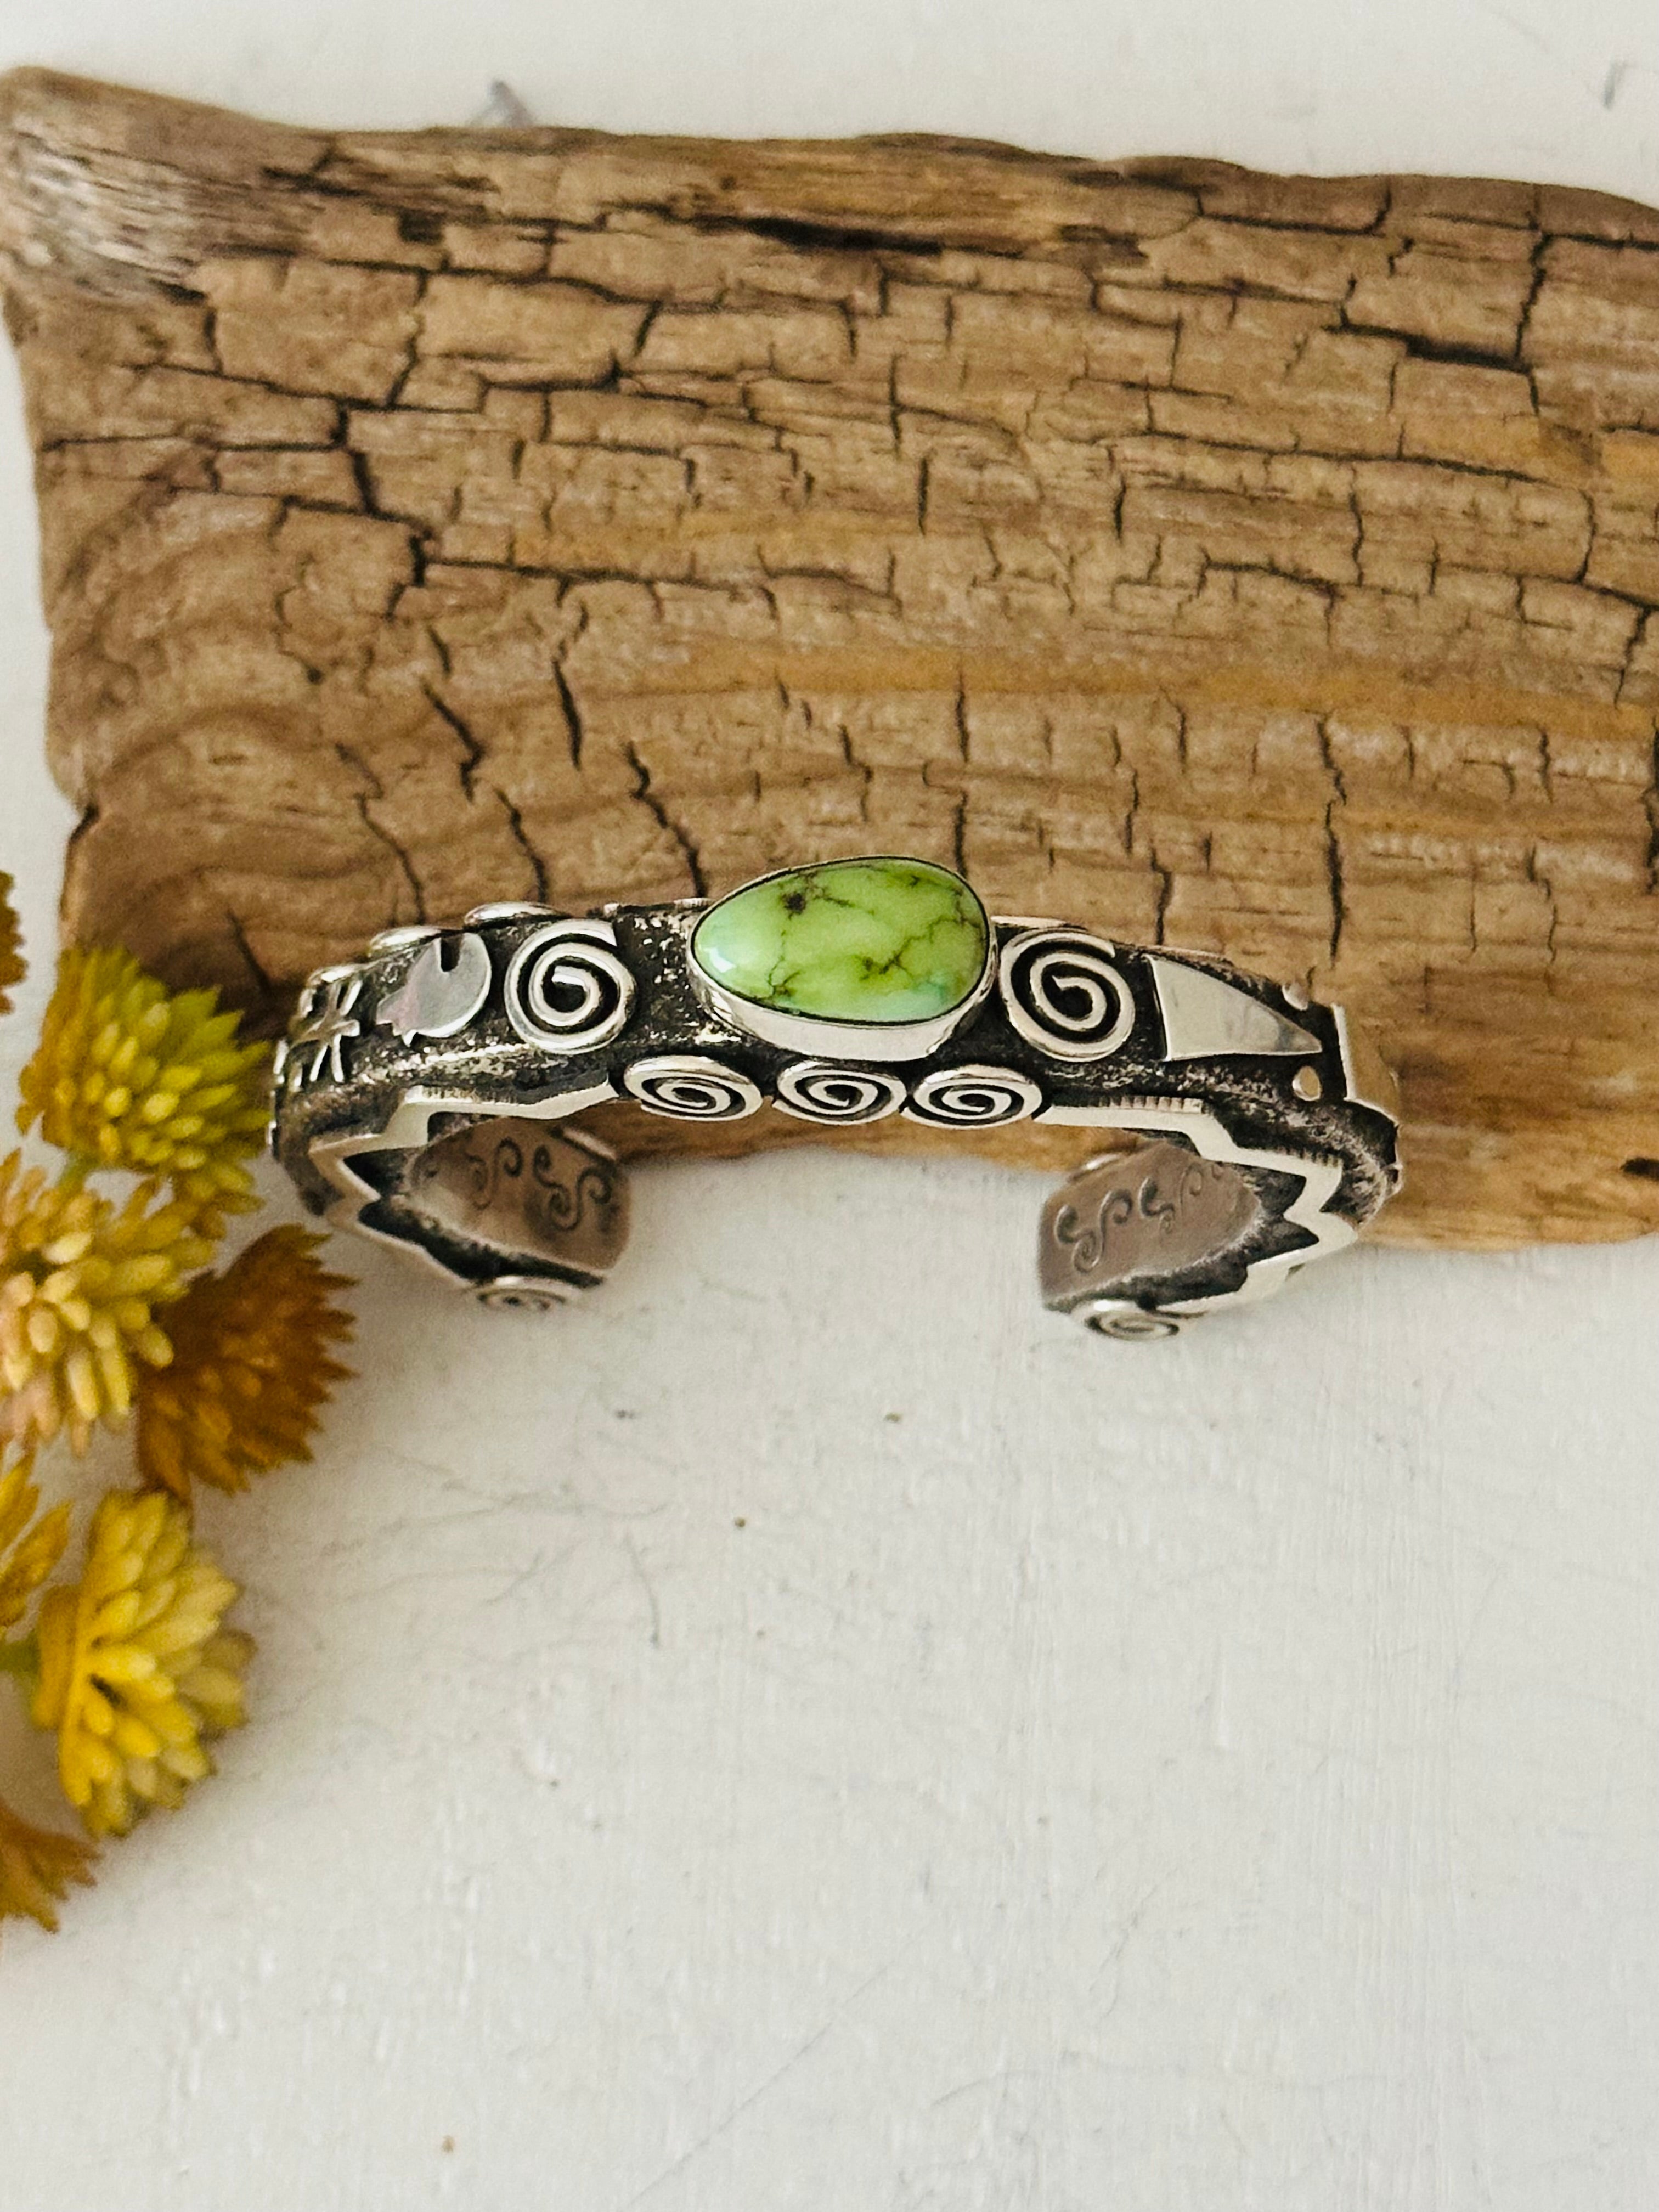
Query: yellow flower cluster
251, 1365
79, 1280
135, 1668
37, 1865
128, 1075
11, 941
103, 1306
27, 1555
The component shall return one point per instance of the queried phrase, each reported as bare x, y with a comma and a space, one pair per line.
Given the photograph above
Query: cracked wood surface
1265, 564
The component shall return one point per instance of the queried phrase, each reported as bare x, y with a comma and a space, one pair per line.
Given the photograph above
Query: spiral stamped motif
1128, 1324
566, 990
555, 1202
974, 1097
1144, 1226
1063, 993
691, 1087
821, 1091
522, 1294
1162, 1197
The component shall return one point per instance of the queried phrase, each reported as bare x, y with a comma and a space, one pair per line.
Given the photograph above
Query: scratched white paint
810, 1732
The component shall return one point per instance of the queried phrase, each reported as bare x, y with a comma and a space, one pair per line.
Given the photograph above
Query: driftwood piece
1263, 564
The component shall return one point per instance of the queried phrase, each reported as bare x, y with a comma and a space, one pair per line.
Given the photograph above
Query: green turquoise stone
871, 941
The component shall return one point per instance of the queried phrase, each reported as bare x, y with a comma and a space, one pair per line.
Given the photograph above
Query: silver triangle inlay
1205, 1019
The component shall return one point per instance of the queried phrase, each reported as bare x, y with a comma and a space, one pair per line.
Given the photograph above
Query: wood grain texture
1257, 563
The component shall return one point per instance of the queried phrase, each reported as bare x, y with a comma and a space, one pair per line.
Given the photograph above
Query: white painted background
810, 1731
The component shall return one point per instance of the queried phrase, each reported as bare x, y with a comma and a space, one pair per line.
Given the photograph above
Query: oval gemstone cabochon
868, 941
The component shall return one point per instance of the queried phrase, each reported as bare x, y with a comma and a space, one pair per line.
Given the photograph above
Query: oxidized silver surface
419, 1095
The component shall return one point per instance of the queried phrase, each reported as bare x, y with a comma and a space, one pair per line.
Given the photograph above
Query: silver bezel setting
823, 1036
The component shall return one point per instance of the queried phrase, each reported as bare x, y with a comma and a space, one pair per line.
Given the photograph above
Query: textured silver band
427, 1096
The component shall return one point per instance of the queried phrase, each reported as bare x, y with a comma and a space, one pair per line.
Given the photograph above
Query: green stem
77, 1167
20, 1656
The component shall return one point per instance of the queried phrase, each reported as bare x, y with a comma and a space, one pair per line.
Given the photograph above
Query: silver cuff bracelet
427, 1095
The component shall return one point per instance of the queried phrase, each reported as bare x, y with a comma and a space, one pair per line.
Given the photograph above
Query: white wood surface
810, 1731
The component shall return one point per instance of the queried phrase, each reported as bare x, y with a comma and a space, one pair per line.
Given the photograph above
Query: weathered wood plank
1258, 563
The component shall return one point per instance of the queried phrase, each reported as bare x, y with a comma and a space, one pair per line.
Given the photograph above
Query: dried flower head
27, 1555
79, 1281
251, 1365
135, 1668
129, 1075
12, 970
37, 1865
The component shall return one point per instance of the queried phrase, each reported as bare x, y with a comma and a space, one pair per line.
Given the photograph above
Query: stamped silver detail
1129, 1324
324, 1029
688, 1086
1206, 1017
1063, 993
974, 1096
518, 1186
439, 996
523, 1294
1135, 1221
566, 989
823, 1091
